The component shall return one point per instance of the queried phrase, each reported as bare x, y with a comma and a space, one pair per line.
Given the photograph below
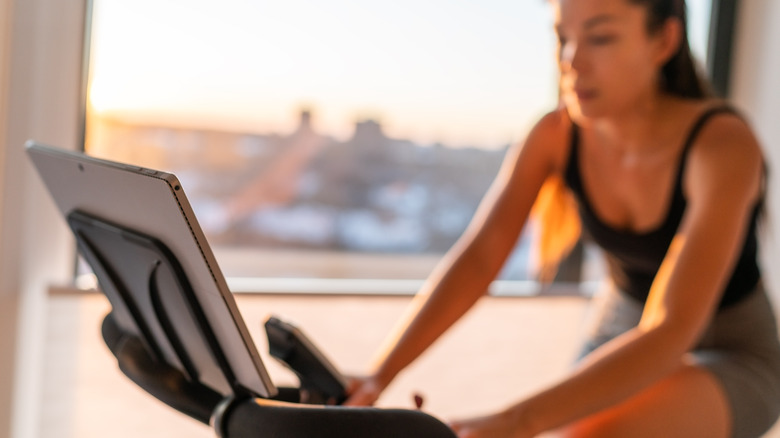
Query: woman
669, 183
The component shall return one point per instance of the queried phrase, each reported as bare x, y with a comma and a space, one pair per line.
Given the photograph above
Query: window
344, 139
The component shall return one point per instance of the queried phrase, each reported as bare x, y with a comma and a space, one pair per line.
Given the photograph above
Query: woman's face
609, 62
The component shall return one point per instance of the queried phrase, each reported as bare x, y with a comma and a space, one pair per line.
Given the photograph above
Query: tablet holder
149, 331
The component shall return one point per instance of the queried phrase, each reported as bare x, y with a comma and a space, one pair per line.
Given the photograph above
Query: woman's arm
467, 270
722, 184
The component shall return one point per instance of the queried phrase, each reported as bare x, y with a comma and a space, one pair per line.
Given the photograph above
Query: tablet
143, 214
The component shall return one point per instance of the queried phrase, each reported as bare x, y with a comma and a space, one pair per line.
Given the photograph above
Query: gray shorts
740, 348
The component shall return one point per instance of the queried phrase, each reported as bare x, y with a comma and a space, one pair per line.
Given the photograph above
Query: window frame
723, 19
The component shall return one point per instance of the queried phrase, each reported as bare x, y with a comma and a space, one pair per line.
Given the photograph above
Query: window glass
326, 139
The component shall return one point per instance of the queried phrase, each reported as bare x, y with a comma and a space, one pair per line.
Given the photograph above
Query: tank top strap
696, 128
701, 121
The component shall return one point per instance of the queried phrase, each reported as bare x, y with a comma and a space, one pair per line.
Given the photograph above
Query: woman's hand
506, 424
363, 391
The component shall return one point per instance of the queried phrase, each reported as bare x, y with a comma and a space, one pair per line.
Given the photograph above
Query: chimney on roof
305, 120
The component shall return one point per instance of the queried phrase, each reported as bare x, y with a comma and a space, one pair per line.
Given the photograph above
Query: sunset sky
461, 72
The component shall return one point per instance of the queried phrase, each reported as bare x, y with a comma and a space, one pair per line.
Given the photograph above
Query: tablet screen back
153, 203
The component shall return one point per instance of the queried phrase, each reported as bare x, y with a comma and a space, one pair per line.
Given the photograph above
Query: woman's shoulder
551, 135
709, 124
723, 127
725, 146
555, 122
718, 112
544, 146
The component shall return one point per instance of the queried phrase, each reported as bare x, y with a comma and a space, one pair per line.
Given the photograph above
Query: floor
503, 349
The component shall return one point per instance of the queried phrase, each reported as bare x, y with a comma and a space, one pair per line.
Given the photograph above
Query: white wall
755, 89
40, 66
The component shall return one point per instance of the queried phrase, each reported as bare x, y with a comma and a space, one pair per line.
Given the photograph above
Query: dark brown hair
680, 75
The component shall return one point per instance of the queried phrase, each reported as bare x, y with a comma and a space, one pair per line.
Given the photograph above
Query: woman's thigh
689, 403
739, 353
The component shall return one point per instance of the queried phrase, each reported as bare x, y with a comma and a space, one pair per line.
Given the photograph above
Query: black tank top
634, 258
